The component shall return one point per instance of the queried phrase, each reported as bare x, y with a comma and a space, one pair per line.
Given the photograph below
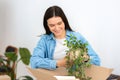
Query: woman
50, 51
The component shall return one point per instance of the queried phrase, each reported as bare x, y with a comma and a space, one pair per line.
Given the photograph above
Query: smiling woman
49, 52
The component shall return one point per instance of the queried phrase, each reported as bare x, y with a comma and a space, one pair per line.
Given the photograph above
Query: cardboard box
96, 72
4, 77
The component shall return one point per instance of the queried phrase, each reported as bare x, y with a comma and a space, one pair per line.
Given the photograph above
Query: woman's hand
62, 62
87, 57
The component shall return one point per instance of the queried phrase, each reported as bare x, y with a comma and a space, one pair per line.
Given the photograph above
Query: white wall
97, 20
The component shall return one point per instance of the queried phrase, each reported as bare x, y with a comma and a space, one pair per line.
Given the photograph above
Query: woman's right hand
61, 63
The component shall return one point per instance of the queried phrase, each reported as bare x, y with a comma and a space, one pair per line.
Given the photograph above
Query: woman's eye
59, 23
51, 25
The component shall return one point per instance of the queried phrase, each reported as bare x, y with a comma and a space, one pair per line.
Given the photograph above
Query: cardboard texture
4, 77
96, 72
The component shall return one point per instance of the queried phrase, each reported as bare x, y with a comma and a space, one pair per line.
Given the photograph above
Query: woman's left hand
87, 57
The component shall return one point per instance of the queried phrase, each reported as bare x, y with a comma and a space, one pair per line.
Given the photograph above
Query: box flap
96, 72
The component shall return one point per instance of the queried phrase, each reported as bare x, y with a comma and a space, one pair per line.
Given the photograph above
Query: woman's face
57, 27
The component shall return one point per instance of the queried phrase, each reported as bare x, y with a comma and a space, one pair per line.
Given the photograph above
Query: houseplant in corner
10, 61
77, 58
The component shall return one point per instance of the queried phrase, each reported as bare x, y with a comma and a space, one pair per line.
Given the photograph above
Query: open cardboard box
96, 72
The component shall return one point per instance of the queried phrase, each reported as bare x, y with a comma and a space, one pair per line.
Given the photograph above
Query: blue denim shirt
42, 56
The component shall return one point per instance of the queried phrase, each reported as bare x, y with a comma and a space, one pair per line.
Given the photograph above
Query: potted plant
77, 58
8, 63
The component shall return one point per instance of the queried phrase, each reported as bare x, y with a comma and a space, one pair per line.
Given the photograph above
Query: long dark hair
55, 11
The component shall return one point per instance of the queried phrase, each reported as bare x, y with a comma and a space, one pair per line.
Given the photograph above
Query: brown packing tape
96, 72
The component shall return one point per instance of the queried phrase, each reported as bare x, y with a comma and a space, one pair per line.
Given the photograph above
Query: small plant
77, 58
8, 63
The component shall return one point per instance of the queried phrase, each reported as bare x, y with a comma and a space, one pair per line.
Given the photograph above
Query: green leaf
11, 56
25, 78
25, 55
1, 60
